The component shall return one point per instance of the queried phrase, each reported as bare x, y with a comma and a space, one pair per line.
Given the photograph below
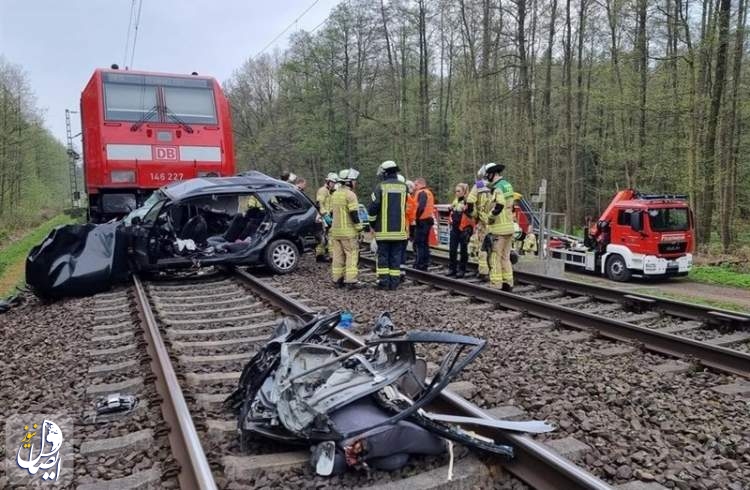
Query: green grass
724, 305
13, 256
722, 275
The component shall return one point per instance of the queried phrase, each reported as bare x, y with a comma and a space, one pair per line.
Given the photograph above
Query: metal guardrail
534, 462
195, 472
713, 356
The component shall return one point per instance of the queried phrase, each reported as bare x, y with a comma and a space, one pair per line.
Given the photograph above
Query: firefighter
345, 228
476, 204
500, 226
425, 219
529, 242
323, 200
461, 228
387, 213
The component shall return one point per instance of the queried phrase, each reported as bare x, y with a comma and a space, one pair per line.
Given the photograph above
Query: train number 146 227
166, 176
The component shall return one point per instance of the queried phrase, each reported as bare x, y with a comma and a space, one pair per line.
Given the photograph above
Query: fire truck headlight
122, 176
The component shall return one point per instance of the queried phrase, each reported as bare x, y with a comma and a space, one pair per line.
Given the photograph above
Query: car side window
284, 202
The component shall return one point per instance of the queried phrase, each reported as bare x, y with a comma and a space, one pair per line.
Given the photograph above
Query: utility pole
73, 156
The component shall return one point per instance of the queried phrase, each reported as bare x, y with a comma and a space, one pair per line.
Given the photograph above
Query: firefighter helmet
348, 175
387, 166
493, 168
332, 177
480, 172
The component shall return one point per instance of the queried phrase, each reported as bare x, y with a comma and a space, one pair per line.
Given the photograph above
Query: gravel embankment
45, 359
640, 424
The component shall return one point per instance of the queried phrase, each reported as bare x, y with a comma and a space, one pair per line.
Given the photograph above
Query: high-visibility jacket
502, 193
458, 217
343, 206
387, 210
425, 204
480, 199
411, 209
323, 198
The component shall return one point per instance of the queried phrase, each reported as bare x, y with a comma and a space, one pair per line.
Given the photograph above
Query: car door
144, 236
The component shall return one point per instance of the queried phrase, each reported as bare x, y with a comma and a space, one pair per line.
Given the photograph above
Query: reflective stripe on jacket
388, 210
425, 204
343, 201
502, 224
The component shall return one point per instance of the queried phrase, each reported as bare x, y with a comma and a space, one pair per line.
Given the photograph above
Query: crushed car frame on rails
360, 406
251, 219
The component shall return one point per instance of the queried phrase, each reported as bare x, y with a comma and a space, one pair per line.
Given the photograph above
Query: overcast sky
60, 42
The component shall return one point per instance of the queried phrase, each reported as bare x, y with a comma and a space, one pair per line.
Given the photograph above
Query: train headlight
122, 176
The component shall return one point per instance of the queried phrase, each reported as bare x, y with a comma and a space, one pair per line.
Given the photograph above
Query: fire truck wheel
282, 256
617, 270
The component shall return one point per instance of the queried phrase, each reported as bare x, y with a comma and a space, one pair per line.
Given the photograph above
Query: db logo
165, 152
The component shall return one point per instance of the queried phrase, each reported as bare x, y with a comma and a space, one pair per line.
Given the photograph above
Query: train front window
124, 102
669, 219
191, 105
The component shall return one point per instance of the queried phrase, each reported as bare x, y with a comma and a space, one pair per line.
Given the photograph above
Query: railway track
199, 334
676, 329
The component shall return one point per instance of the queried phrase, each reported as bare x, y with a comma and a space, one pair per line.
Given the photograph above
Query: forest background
592, 95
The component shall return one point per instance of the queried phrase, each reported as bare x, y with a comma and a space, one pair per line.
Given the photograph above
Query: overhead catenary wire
135, 32
291, 24
127, 34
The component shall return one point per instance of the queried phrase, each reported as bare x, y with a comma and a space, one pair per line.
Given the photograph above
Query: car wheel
282, 256
617, 269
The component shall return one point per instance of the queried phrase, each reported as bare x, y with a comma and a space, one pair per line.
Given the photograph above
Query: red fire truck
142, 130
645, 234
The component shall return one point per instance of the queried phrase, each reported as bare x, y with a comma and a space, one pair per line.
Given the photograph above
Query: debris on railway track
359, 406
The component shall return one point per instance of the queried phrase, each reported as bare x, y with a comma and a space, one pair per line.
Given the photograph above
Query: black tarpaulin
77, 260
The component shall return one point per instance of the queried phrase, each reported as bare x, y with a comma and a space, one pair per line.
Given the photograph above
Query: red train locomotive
143, 130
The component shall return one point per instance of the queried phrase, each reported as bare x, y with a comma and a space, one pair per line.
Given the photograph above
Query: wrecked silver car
360, 406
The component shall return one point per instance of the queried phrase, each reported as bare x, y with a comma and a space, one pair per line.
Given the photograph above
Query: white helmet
332, 177
386, 166
348, 175
481, 171
493, 168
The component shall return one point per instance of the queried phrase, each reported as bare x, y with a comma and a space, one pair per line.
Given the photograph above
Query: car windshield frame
669, 219
141, 211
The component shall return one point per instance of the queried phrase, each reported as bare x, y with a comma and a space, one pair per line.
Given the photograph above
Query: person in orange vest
411, 217
461, 229
424, 221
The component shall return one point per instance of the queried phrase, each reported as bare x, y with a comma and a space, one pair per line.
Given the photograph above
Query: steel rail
669, 306
183, 438
712, 356
534, 463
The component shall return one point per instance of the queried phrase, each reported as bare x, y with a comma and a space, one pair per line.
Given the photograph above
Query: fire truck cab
643, 234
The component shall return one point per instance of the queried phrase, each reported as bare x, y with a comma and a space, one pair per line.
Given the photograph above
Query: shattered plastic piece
115, 403
306, 386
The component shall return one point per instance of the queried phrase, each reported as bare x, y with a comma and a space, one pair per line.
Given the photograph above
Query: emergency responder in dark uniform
387, 213
500, 226
323, 200
344, 231
425, 220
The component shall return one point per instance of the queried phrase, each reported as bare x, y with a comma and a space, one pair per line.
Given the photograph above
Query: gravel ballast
640, 423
